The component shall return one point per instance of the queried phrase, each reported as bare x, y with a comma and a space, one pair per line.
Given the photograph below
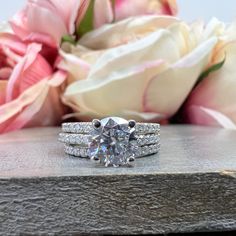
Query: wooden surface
190, 186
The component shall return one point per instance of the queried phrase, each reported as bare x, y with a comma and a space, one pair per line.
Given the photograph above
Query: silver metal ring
112, 141
87, 127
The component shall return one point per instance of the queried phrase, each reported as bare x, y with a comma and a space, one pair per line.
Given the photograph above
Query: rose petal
46, 21
103, 13
10, 56
213, 28
183, 37
31, 69
41, 38
92, 99
41, 97
143, 116
5, 73
68, 11
205, 116
134, 65
151, 48
166, 92
217, 91
19, 23
169, 7
21, 119
8, 110
12, 42
76, 66
127, 8
124, 31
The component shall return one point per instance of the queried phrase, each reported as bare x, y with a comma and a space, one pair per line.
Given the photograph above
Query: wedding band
112, 141
87, 127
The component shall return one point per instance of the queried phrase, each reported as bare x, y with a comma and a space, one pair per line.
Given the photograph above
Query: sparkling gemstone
112, 142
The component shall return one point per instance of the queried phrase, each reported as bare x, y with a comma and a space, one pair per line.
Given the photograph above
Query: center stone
111, 142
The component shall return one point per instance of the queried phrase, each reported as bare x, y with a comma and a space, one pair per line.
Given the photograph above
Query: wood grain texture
190, 186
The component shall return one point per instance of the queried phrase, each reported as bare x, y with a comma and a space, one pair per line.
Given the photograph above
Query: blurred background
189, 10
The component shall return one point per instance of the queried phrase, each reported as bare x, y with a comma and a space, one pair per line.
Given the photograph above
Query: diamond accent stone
112, 142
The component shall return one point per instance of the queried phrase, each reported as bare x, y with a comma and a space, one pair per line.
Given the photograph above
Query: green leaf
86, 24
211, 69
68, 38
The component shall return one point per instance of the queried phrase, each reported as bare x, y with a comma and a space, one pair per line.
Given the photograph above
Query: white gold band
85, 139
141, 151
86, 127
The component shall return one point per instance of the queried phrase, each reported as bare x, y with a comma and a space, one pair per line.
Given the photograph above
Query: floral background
137, 59
188, 10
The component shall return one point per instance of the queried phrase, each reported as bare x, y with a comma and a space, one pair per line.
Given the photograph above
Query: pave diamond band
112, 141
86, 128
85, 139
85, 152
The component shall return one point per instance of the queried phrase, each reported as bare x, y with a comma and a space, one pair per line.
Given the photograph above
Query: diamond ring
112, 141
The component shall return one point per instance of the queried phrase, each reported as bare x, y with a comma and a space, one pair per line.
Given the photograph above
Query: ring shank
141, 151
85, 139
86, 128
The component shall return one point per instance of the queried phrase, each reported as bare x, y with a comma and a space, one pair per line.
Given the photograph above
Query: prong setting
131, 159
107, 163
132, 123
96, 123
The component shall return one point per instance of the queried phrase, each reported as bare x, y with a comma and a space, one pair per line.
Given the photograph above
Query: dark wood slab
190, 186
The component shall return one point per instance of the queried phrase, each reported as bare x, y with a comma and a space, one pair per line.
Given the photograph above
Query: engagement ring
112, 141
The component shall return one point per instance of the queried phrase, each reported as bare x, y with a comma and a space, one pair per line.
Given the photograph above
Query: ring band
85, 139
113, 141
139, 152
87, 127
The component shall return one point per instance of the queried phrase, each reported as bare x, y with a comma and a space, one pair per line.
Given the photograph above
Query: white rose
142, 68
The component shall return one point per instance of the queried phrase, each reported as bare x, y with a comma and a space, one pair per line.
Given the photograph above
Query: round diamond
111, 141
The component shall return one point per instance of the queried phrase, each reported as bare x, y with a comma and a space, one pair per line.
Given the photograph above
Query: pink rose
29, 86
213, 101
127, 8
105, 12
46, 21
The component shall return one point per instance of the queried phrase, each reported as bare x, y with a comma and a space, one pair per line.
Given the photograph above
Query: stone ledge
189, 187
